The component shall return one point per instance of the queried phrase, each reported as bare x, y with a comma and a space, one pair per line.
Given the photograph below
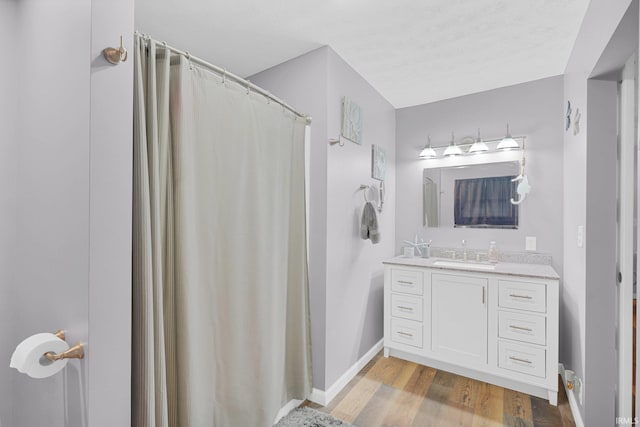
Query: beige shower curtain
220, 295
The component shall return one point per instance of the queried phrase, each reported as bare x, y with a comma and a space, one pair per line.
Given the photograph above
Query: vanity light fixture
474, 148
427, 152
508, 143
452, 149
479, 146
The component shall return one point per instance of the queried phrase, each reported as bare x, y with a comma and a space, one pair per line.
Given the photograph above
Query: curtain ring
248, 87
188, 55
224, 76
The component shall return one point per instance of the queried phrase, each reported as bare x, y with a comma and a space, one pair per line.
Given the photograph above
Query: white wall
8, 213
532, 109
587, 310
71, 188
345, 272
355, 276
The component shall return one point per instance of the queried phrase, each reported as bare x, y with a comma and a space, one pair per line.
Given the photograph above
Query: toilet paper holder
75, 352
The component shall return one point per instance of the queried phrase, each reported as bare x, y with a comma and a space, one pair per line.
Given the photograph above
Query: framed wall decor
351, 121
378, 163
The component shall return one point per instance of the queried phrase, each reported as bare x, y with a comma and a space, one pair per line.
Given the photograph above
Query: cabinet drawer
406, 332
406, 307
522, 327
521, 358
406, 281
522, 295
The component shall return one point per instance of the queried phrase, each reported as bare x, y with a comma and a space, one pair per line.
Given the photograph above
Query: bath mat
307, 417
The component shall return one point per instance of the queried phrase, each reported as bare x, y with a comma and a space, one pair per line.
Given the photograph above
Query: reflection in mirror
476, 196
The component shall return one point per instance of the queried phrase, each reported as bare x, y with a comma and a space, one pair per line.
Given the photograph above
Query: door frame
627, 137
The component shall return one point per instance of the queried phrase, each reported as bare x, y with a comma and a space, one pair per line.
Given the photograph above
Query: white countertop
540, 271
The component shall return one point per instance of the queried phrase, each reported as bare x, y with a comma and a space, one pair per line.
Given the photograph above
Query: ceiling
412, 51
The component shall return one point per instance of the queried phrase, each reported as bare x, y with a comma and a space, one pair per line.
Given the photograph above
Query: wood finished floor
391, 392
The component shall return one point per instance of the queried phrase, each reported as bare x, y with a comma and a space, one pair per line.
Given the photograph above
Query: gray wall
355, 276
572, 297
532, 109
8, 214
62, 177
110, 207
52, 249
346, 272
588, 310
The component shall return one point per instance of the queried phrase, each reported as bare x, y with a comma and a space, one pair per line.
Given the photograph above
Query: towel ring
365, 188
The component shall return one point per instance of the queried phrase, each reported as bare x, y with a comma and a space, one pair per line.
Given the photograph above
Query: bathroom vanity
496, 323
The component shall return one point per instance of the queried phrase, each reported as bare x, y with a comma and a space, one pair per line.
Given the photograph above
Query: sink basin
464, 264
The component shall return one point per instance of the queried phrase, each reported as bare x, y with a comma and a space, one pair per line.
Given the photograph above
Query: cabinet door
459, 319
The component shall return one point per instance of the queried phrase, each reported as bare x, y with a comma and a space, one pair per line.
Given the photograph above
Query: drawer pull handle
405, 334
517, 359
400, 307
521, 296
520, 328
402, 282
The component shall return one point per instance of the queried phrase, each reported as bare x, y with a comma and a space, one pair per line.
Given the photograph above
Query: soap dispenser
493, 252
426, 252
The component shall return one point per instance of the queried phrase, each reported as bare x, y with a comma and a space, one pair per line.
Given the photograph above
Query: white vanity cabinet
500, 327
459, 318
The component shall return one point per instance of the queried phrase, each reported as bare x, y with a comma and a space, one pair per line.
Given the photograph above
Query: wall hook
115, 55
338, 140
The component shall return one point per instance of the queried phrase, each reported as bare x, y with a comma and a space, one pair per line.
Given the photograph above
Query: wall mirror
476, 196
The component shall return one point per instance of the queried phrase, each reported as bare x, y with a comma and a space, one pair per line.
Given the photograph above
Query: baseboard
573, 403
323, 398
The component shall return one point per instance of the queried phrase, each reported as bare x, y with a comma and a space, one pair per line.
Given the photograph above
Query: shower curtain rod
226, 74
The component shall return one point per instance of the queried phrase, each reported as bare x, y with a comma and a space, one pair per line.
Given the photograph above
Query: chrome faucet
464, 249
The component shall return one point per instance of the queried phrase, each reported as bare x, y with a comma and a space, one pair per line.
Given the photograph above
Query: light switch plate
530, 243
